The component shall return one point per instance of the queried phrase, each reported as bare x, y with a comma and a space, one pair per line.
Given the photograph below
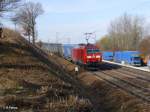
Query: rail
135, 85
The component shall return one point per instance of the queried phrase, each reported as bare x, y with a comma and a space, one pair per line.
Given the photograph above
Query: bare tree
26, 18
105, 43
27, 31
126, 32
8, 5
145, 45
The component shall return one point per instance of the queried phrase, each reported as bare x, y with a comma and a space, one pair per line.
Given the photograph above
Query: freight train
87, 55
81, 54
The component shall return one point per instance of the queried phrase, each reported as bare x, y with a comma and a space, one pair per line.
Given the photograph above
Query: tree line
25, 16
126, 33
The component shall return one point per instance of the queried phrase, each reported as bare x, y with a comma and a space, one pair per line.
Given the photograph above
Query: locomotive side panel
78, 55
88, 55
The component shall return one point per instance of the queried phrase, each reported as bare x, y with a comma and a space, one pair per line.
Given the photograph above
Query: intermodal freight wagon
87, 55
63, 50
53, 48
67, 48
107, 55
128, 57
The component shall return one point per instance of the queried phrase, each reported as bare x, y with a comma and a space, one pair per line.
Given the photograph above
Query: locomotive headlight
98, 56
89, 56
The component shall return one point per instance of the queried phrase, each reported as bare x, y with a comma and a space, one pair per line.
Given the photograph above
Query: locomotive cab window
91, 51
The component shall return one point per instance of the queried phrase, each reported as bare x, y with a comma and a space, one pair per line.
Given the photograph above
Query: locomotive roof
88, 46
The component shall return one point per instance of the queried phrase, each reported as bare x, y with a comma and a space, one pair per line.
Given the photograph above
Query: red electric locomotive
87, 55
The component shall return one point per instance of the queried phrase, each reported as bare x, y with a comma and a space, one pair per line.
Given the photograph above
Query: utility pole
57, 37
16, 27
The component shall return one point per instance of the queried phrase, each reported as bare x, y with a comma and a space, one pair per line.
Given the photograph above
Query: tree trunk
1, 31
33, 33
29, 38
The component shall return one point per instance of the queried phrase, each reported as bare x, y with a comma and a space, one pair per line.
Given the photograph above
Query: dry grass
10, 35
27, 84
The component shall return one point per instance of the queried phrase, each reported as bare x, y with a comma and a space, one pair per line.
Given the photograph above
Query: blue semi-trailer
107, 55
67, 48
128, 57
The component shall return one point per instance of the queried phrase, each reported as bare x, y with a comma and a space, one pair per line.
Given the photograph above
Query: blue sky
70, 19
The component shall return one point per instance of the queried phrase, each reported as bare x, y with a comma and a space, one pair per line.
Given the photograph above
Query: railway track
134, 84
139, 93
129, 74
135, 72
118, 81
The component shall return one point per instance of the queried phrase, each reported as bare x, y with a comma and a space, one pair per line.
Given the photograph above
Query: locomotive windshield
136, 58
92, 51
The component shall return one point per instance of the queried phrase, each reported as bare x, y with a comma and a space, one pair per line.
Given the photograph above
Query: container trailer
128, 57
107, 55
53, 48
67, 48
